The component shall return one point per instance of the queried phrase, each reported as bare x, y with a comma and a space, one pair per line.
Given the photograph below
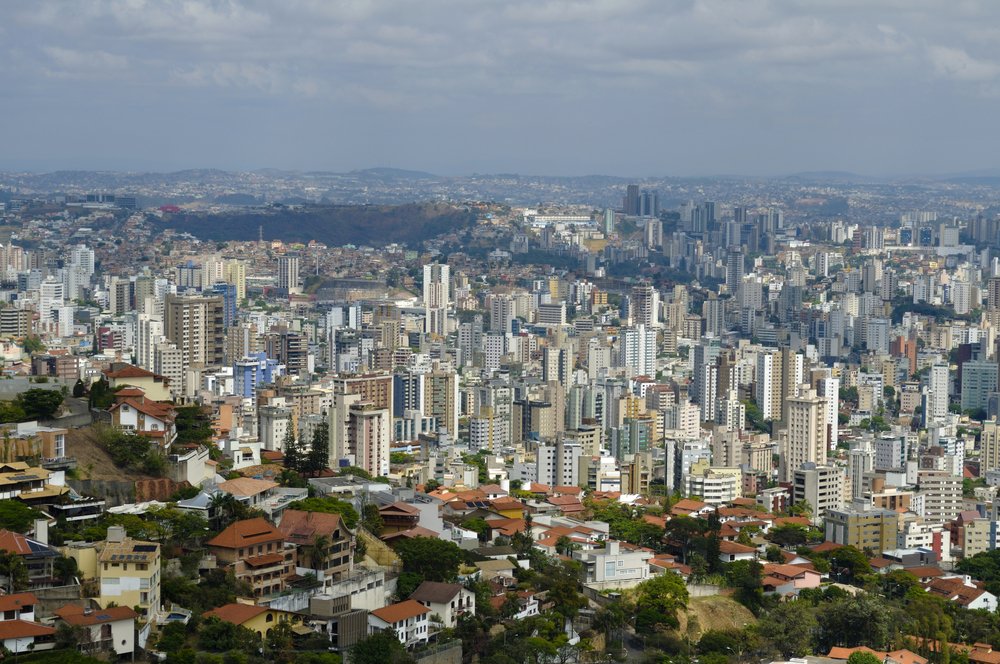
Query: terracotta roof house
450, 601
305, 529
408, 621
109, 630
256, 552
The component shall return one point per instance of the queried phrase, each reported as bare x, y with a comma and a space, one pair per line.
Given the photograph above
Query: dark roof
436, 592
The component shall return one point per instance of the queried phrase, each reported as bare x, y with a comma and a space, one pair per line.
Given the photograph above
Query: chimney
116, 534
42, 531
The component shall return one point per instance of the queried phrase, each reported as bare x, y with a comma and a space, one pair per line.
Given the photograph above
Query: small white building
446, 600
110, 630
409, 621
614, 566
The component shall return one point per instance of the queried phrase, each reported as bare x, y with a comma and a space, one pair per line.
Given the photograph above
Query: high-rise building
863, 526
437, 298
768, 388
644, 305
288, 273
441, 399
196, 326
821, 486
631, 203
805, 439
637, 349
989, 445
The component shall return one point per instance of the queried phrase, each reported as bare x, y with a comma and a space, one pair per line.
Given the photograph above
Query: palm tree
316, 551
224, 507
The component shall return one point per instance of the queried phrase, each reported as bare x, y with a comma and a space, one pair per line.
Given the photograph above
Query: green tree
294, 459
432, 558
14, 571
319, 452
659, 600
218, 635
193, 425
16, 516
380, 648
862, 657
39, 404
855, 621
788, 628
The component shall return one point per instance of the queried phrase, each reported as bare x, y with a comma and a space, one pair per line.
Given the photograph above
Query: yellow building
129, 573
154, 386
258, 619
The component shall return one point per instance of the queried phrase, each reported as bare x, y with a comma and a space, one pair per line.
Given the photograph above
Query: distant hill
330, 224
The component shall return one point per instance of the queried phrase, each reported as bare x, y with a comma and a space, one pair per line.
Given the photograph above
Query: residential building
863, 526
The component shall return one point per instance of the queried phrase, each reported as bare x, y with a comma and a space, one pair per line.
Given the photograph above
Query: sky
547, 87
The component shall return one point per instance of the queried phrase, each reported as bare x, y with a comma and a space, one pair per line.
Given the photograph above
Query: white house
111, 629
409, 620
446, 600
614, 566
963, 591
19, 632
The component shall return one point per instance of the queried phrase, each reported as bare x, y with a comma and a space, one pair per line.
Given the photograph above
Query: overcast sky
620, 87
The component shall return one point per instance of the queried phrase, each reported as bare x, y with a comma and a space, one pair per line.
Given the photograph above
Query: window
269, 618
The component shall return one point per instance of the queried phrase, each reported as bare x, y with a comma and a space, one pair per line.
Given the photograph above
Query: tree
434, 559
849, 561
39, 404
14, 570
16, 516
101, 395
220, 636
294, 458
788, 628
316, 551
659, 600
380, 648
862, 657
319, 453
193, 425
862, 620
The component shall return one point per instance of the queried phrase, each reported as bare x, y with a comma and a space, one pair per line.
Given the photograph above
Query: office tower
234, 271
863, 526
859, 461
195, 325
936, 407
441, 399
631, 202
768, 391
819, 485
644, 306
805, 436
734, 268
437, 298
649, 203
407, 392
557, 364
941, 495
637, 349
369, 433
501, 313
989, 445
229, 301
253, 371
653, 233
51, 297
609, 221
288, 273
291, 349
188, 276
558, 464
979, 380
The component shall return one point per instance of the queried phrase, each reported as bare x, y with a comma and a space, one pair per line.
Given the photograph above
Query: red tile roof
21, 629
400, 611
248, 532
76, 615
236, 614
17, 601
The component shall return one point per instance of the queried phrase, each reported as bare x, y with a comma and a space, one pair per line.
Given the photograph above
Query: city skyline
630, 88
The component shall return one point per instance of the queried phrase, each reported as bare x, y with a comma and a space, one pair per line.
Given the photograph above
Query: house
19, 480
689, 507
19, 606
21, 636
733, 551
526, 603
154, 386
398, 516
38, 557
258, 619
963, 591
409, 621
135, 413
305, 529
249, 491
108, 630
446, 600
617, 565
129, 572
256, 552
789, 579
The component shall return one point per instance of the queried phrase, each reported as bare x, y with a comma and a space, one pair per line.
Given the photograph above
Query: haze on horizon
623, 87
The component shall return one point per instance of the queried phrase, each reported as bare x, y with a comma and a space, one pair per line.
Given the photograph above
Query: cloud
957, 64
67, 61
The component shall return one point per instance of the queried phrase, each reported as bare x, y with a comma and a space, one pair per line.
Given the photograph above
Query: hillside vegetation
330, 224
